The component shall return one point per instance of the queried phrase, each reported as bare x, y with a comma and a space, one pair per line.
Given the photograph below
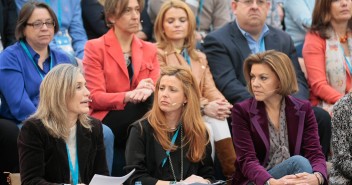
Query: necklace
343, 39
172, 167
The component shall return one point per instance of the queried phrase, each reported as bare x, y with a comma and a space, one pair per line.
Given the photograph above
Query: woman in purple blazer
275, 135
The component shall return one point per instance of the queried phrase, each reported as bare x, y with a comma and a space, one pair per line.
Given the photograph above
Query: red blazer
106, 71
250, 130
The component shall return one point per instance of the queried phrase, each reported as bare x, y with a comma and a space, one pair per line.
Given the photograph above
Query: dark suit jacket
227, 48
145, 154
7, 22
250, 129
43, 158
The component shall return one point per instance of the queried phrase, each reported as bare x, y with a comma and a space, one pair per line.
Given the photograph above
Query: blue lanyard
58, 10
262, 45
199, 13
186, 56
74, 171
34, 63
172, 144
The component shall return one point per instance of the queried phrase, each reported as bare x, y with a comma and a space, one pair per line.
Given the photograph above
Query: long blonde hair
162, 41
195, 132
56, 90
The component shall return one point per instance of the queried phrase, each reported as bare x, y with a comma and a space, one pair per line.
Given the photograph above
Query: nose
44, 27
255, 83
86, 91
135, 14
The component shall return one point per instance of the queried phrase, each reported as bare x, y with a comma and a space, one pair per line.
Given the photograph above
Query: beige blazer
200, 70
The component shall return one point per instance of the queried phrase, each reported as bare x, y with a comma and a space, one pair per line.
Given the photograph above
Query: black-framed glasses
40, 24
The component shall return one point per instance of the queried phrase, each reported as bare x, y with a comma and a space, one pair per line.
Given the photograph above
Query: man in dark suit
7, 22
227, 48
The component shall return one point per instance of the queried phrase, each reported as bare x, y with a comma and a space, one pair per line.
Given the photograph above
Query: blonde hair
162, 41
195, 132
280, 64
117, 8
56, 90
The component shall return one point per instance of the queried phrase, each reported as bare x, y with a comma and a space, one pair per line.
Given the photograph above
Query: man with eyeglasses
227, 48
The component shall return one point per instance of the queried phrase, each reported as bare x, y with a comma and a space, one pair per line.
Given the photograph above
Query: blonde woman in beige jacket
175, 34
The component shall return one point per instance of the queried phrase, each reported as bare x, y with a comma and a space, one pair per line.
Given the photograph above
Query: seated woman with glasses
275, 135
171, 143
59, 143
23, 66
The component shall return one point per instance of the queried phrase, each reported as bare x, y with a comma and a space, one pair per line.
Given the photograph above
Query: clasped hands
297, 179
141, 93
218, 109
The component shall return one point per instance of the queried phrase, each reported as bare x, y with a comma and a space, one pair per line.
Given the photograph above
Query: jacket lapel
83, 147
295, 124
114, 50
260, 123
270, 41
240, 41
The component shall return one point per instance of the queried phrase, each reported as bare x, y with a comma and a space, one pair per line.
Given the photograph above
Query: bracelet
172, 182
319, 180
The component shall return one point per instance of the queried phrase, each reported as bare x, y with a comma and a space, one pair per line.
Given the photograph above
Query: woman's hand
147, 83
218, 109
137, 95
297, 179
194, 178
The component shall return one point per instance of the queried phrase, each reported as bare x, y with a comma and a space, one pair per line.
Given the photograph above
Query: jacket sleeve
93, 63
300, 13
221, 14
14, 91
247, 161
311, 144
206, 168
314, 59
341, 136
77, 32
31, 154
10, 23
223, 71
93, 16
136, 157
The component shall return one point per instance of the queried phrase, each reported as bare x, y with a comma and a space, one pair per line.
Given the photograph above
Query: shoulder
148, 46
298, 103
313, 37
222, 32
33, 125
245, 104
344, 103
282, 34
10, 56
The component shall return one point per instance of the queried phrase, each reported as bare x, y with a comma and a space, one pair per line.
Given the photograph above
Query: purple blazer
251, 138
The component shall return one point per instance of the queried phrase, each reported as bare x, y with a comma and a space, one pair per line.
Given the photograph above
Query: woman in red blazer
275, 135
120, 70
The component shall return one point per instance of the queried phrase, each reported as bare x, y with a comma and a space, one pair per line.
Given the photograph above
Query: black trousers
324, 129
8, 144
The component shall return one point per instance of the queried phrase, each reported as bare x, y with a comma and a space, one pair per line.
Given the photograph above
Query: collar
34, 54
265, 31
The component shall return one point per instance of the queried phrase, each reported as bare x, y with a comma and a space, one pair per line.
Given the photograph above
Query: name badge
64, 41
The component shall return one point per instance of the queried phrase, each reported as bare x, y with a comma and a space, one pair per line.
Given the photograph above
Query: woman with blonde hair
175, 34
171, 143
60, 143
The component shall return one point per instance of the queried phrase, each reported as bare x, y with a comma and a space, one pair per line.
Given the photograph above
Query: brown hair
26, 12
160, 36
195, 132
116, 8
280, 64
321, 18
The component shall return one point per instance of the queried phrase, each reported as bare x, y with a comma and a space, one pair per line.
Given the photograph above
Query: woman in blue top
22, 68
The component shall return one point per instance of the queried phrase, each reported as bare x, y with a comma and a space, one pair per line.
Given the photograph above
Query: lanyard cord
34, 63
58, 11
172, 144
199, 13
73, 171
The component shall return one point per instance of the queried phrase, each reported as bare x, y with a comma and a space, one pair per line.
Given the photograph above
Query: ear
234, 6
111, 19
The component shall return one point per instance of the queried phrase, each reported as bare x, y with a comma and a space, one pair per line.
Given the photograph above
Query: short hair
56, 90
280, 64
321, 18
193, 126
160, 36
26, 12
117, 8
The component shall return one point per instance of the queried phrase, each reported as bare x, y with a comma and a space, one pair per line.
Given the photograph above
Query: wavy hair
162, 41
195, 132
280, 64
56, 90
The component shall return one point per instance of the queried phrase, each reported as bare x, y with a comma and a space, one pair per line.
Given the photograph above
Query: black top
145, 154
43, 158
8, 22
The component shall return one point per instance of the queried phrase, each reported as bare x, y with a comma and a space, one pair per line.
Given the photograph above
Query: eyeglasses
40, 24
251, 2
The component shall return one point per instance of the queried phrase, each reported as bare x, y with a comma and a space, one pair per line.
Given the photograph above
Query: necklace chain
172, 167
